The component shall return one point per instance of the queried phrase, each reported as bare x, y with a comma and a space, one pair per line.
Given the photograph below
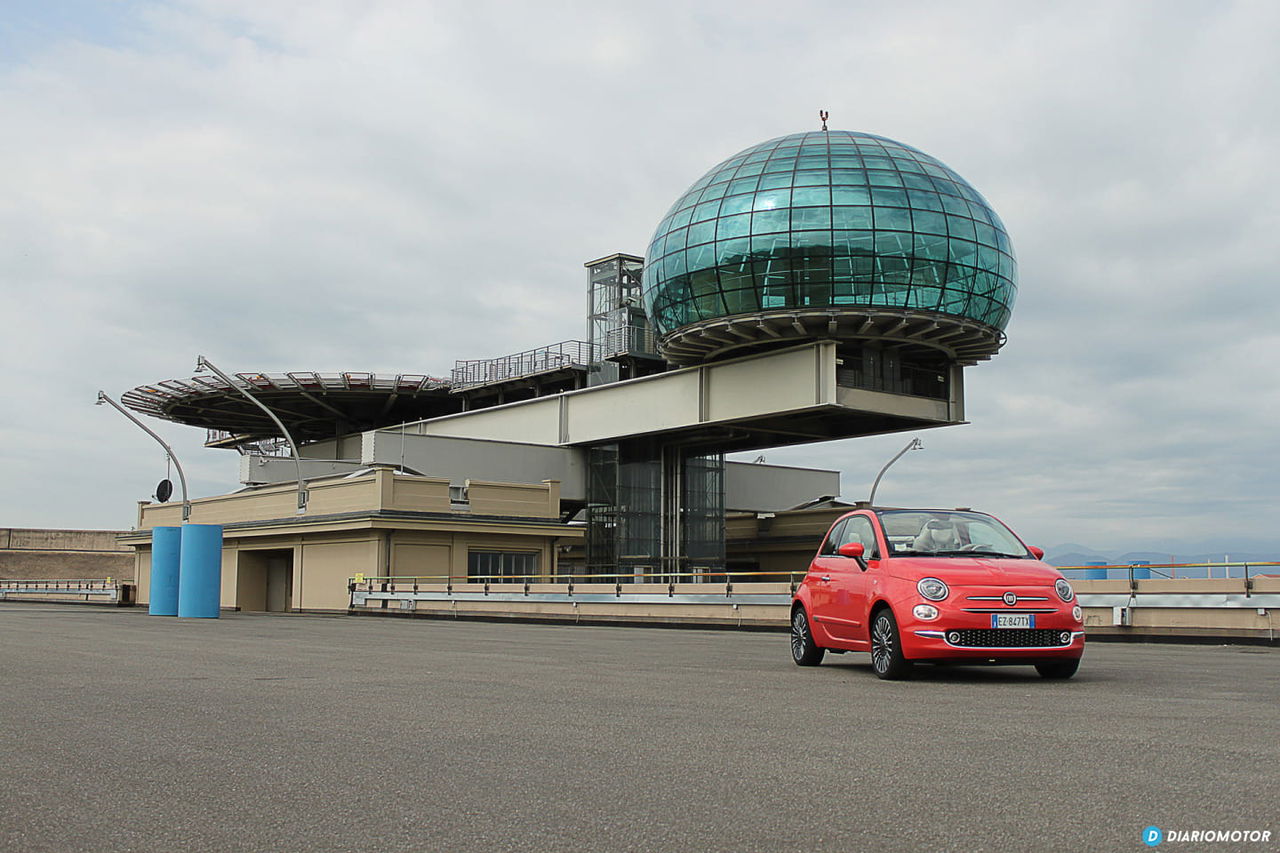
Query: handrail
554, 578
720, 572
81, 581
1213, 564
474, 372
389, 583
1245, 565
109, 588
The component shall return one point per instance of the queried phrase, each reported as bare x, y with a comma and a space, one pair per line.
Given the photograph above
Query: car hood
976, 571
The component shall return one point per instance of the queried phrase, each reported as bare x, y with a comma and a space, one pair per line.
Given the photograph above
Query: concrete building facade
378, 523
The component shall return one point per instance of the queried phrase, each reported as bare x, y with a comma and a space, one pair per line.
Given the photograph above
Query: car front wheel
886, 648
1059, 668
803, 650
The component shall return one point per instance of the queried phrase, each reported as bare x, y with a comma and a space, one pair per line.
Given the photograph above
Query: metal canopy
312, 405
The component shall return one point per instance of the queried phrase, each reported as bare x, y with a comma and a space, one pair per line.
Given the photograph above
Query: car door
833, 577
820, 579
851, 581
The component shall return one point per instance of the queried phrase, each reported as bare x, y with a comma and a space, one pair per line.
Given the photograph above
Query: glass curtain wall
653, 511
624, 509
827, 219
702, 515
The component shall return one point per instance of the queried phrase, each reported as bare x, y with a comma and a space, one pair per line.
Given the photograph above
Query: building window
502, 566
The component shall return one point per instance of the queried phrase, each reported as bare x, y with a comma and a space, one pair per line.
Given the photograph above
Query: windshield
943, 533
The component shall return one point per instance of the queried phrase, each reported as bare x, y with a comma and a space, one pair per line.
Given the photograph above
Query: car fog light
1076, 613
926, 612
1065, 637
953, 637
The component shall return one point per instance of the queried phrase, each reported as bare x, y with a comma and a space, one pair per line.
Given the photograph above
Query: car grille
1007, 638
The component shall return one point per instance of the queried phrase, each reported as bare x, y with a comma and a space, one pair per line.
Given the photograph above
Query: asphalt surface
121, 731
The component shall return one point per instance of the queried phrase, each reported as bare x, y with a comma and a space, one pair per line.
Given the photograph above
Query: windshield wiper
972, 553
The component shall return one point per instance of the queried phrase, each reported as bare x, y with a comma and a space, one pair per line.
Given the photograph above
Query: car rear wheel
803, 650
886, 648
1059, 668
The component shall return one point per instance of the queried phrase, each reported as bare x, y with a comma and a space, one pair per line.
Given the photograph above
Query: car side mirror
1038, 553
854, 550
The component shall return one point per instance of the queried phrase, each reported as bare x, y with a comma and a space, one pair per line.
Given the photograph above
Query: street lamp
202, 364
915, 444
182, 477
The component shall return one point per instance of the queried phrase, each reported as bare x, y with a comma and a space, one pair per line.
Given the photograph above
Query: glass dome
830, 220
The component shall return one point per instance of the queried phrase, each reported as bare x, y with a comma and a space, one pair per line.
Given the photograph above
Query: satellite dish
164, 491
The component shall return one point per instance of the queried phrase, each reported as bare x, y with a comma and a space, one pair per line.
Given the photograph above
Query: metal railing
738, 587
626, 340
1134, 572
468, 374
91, 590
262, 446
570, 584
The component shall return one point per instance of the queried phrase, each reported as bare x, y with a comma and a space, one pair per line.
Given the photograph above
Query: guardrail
583, 587
471, 373
1135, 572
68, 591
762, 598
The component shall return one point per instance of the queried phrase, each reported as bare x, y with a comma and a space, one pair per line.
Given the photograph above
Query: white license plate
1013, 620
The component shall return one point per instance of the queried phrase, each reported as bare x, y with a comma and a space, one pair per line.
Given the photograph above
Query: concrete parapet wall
43, 539
372, 492
34, 554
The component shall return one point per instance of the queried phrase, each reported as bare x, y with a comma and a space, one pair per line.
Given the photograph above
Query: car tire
887, 661
804, 651
1058, 669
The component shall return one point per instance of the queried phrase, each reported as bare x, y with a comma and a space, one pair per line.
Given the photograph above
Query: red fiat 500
937, 586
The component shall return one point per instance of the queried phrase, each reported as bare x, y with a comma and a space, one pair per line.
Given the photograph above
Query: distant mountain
1074, 554
1072, 549
1076, 558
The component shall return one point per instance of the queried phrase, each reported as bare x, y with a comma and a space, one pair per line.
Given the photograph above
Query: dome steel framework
830, 234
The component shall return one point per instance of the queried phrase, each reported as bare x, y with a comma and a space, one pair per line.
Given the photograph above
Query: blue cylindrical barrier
200, 588
165, 550
1140, 570
1095, 574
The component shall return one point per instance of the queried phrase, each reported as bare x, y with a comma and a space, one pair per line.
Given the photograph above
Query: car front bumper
935, 644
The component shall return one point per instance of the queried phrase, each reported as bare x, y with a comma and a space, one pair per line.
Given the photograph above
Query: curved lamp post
203, 363
182, 477
915, 444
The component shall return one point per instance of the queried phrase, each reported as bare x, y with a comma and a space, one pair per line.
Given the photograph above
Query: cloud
392, 186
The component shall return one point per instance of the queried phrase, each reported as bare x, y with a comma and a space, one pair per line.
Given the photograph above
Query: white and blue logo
1152, 836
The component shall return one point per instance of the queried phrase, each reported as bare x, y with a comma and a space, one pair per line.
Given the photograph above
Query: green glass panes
829, 219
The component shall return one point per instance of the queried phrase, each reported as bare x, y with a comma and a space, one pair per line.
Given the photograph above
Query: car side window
833, 540
859, 529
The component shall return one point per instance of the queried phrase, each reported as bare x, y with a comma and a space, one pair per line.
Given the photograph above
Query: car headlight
1064, 590
932, 589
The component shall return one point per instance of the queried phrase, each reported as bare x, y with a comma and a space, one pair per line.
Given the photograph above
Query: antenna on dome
823, 114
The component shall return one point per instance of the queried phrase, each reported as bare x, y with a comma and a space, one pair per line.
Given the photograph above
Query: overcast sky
389, 186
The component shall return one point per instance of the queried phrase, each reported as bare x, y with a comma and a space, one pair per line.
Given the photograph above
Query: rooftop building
817, 286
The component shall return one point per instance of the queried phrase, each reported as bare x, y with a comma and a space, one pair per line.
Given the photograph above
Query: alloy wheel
881, 644
799, 634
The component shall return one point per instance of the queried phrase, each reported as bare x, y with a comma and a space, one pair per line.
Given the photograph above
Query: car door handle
826, 577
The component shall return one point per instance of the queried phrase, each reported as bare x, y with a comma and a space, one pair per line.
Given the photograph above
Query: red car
934, 586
